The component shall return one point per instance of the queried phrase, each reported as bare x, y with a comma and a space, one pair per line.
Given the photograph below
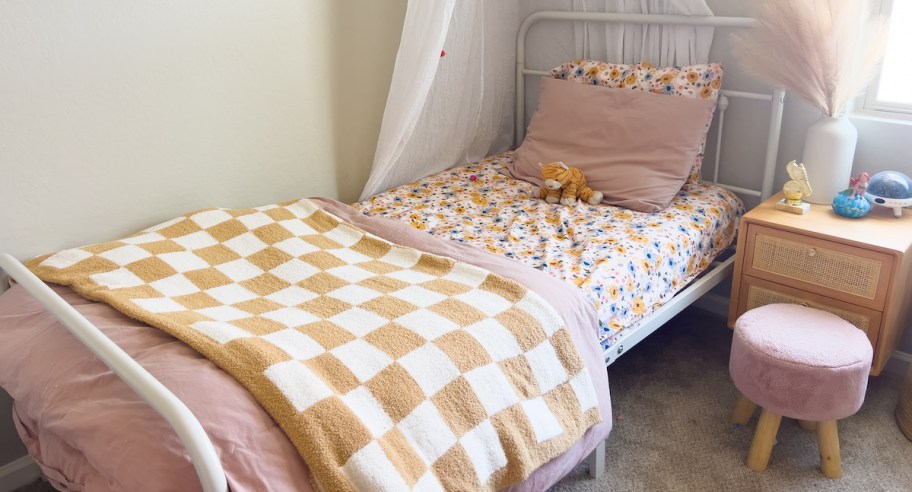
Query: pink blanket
88, 430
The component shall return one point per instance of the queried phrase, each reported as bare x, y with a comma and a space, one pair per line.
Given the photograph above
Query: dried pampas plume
824, 50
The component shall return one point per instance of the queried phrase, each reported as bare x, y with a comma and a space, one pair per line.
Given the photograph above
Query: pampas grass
824, 50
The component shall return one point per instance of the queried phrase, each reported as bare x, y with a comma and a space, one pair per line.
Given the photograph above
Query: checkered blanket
388, 368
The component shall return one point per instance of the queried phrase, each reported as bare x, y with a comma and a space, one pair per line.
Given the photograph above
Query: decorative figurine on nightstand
851, 203
795, 190
891, 189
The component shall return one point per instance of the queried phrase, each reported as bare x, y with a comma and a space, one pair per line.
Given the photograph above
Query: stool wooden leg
762, 445
808, 425
743, 410
828, 442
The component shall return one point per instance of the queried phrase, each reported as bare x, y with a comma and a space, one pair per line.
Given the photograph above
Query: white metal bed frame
203, 454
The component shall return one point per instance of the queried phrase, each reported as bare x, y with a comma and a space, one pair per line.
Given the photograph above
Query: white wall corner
17, 473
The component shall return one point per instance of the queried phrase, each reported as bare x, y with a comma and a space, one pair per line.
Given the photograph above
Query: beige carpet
672, 396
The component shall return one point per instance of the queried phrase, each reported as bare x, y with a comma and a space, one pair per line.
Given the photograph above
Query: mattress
627, 263
88, 431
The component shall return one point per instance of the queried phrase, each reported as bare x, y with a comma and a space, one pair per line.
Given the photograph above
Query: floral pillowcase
694, 81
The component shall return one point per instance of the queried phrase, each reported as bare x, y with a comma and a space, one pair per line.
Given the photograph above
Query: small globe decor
891, 189
851, 205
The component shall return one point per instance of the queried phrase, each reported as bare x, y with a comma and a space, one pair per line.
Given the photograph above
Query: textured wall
118, 115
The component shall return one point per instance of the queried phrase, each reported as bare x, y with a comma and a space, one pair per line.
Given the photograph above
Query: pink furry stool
801, 363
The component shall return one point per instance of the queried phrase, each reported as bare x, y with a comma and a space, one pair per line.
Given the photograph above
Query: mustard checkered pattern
388, 368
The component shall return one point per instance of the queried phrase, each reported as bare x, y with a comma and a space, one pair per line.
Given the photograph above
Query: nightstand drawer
835, 270
757, 292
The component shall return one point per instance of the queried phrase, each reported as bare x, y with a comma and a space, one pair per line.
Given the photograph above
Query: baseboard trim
17, 473
903, 356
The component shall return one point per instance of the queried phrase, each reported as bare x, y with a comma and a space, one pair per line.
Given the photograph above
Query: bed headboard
776, 98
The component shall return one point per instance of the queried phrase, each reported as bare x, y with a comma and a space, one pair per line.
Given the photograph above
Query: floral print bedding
627, 263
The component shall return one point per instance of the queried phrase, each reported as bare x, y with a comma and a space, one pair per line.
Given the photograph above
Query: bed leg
596, 461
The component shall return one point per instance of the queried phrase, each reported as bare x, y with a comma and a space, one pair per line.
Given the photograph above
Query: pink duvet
89, 431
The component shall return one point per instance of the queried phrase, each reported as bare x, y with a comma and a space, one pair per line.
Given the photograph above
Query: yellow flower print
623, 215
692, 77
667, 78
706, 92
593, 72
716, 84
613, 291
615, 325
684, 206
647, 65
614, 74
418, 224
639, 307
639, 238
620, 249
630, 80
460, 209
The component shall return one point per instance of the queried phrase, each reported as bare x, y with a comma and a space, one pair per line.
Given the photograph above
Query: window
890, 91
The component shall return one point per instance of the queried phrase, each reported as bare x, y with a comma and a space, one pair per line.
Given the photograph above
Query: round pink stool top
800, 362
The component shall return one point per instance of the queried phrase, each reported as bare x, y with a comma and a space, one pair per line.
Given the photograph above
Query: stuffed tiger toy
564, 184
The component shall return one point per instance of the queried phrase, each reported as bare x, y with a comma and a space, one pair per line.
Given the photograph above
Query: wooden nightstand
858, 269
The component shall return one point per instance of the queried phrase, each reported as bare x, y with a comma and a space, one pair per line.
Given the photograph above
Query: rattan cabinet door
835, 270
757, 292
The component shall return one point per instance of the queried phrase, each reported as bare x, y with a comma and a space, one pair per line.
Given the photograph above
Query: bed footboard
191, 433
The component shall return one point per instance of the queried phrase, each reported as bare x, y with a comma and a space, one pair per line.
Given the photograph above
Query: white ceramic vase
829, 150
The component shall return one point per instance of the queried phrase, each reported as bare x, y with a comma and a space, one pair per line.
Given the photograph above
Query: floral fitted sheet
627, 263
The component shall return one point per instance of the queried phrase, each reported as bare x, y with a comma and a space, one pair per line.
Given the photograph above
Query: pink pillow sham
636, 147
696, 81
